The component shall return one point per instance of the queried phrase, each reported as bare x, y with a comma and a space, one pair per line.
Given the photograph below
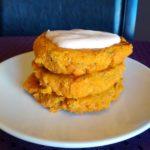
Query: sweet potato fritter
78, 62
87, 104
71, 86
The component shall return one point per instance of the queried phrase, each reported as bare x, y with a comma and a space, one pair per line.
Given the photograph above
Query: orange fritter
78, 62
87, 104
71, 86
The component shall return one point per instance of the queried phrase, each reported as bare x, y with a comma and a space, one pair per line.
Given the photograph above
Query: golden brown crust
80, 105
78, 62
71, 86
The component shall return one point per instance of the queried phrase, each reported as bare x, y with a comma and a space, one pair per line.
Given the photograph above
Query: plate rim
64, 144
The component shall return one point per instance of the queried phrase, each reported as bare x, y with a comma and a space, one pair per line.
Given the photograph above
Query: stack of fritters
85, 80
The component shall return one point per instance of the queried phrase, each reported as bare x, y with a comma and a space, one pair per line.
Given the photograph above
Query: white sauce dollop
80, 39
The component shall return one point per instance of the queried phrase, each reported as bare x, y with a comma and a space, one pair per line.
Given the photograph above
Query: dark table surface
11, 46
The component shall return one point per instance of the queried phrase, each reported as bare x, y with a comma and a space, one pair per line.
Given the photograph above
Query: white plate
22, 117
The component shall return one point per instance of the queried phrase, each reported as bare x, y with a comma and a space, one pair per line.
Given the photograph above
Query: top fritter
79, 52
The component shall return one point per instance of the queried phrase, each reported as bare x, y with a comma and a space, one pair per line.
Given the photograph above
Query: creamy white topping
80, 39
